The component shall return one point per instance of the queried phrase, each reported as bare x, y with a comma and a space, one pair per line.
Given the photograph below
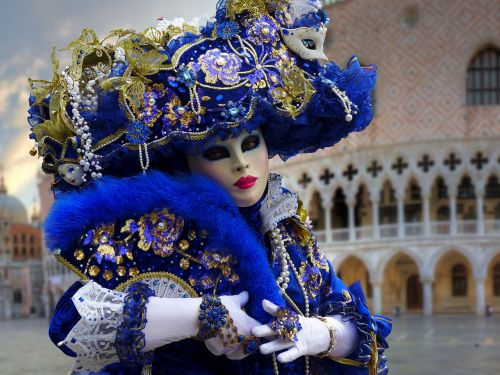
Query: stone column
376, 220
327, 206
480, 296
351, 201
452, 191
426, 215
375, 199
377, 297
427, 289
401, 216
480, 213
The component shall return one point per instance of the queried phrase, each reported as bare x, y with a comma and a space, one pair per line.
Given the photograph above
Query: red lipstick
245, 182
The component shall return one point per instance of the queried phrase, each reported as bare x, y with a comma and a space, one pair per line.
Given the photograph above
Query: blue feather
193, 197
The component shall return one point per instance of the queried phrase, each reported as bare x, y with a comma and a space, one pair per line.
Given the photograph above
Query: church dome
11, 208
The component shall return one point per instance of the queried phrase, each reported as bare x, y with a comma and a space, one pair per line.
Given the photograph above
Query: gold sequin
184, 263
107, 275
192, 281
94, 270
130, 255
119, 259
121, 271
191, 235
183, 245
133, 272
79, 254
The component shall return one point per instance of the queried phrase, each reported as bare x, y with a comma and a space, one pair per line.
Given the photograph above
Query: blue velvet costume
236, 254
139, 101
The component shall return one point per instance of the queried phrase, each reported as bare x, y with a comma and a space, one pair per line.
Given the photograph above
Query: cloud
32, 28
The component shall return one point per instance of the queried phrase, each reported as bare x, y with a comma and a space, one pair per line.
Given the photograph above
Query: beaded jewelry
283, 280
215, 321
213, 317
328, 352
88, 160
250, 344
286, 324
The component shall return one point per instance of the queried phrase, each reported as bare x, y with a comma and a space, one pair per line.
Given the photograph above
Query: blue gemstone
219, 98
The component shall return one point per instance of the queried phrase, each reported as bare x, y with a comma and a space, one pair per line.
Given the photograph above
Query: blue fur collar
193, 197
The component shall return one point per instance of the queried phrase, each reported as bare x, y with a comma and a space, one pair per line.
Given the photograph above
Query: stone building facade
21, 271
411, 206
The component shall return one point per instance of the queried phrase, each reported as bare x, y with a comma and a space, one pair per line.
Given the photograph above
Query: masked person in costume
193, 258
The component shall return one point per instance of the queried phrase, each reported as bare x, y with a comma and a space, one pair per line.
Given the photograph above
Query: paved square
444, 345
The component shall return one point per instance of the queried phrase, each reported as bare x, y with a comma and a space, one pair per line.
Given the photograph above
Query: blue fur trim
193, 197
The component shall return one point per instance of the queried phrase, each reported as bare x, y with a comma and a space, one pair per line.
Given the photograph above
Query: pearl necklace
283, 282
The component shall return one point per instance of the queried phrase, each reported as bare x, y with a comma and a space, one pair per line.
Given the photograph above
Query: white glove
313, 338
170, 320
174, 319
241, 320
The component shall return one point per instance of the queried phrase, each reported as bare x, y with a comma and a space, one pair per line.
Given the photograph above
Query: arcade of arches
451, 288
470, 210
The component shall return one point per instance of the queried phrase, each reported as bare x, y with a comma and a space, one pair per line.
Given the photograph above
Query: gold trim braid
71, 267
158, 275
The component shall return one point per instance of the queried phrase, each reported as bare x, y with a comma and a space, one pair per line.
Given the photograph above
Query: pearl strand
284, 277
283, 280
144, 166
344, 99
88, 161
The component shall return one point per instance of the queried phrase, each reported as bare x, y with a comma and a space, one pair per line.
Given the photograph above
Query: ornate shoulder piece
173, 256
278, 204
112, 254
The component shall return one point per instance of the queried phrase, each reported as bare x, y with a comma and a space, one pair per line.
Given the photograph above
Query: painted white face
71, 173
240, 165
306, 42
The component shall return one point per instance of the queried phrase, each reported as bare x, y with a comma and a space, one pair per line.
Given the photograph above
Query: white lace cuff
93, 337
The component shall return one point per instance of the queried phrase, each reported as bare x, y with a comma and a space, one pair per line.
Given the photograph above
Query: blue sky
30, 28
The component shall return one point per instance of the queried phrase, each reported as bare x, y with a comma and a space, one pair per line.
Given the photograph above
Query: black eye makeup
216, 153
249, 143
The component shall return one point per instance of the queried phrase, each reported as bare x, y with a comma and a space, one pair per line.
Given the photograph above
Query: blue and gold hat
173, 87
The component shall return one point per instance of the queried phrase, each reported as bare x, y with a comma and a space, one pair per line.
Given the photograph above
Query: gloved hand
241, 320
174, 319
313, 338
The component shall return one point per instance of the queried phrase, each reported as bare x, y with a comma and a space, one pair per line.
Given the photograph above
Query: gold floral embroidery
157, 231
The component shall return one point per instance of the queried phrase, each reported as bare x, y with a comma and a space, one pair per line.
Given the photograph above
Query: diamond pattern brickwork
422, 68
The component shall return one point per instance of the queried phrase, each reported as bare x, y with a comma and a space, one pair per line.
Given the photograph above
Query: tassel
373, 364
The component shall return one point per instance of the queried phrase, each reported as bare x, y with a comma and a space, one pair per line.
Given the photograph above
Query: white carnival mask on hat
307, 42
71, 173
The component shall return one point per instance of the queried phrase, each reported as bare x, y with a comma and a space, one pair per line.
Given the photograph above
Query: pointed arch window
483, 78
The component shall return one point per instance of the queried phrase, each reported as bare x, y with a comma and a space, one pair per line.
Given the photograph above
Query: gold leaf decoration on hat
252, 7
296, 92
